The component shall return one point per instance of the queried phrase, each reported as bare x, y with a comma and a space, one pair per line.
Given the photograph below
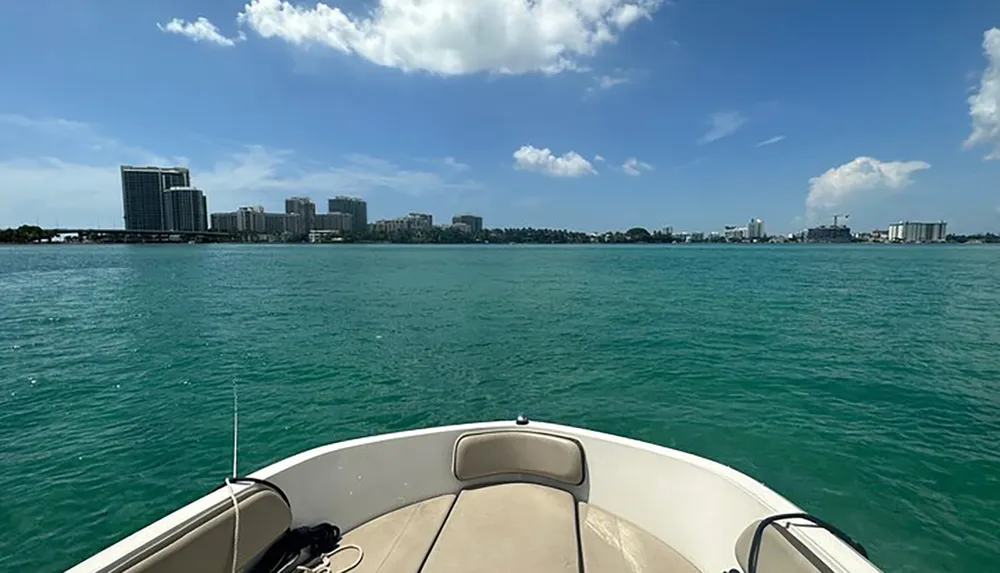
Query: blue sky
587, 114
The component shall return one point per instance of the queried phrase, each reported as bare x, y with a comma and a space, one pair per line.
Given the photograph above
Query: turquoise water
861, 382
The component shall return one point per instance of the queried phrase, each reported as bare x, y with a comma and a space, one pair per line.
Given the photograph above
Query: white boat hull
695, 505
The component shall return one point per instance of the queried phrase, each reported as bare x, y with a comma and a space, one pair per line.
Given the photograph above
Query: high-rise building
912, 232
755, 229
295, 224
338, 221
142, 194
474, 222
184, 209
420, 221
250, 220
225, 222
353, 206
304, 208
255, 221
277, 224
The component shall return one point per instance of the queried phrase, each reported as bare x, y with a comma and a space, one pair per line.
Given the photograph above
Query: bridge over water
133, 235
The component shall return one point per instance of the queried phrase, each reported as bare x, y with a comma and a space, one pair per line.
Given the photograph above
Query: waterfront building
874, 236
340, 222
389, 225
829, 234
254, 220
184, 209
251, 220
689, 237
304, 208
914, 232
296, 224
755, 229
732, 233
142, 194
353, 206
385, 225
474, 222
225, 222
420, 221
278, 224
412, 222
324, 236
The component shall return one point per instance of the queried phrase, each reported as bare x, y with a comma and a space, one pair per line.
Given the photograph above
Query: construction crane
839, 216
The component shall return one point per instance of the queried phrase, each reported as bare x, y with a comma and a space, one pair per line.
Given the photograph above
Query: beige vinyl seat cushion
519, 452
206, 545
508, 528
397, 542
780, 552
610, 544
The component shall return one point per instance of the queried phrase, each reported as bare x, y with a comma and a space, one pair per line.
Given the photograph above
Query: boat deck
521, 505
505, 528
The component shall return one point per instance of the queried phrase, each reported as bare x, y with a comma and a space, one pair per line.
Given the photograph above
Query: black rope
265, 483
295, 547
758, 536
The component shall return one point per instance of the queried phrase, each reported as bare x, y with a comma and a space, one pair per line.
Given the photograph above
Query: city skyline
156, 198
629, 112
188, 181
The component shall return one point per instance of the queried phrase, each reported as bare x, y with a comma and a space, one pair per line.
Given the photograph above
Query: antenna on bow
229, 481
236, 427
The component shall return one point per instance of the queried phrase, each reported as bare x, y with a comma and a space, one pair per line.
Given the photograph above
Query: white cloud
88, 194
617, 77
863, 174
455, 164
257, 170
201, 30
984, 105
75, 134
47, 125
770, 141
54, 192
634, 167
451, 37
570, 164
608, 82
599, 158
722, 124
626, 15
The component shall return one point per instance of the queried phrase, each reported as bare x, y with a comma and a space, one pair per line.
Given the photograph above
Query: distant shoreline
593, 244
30, 234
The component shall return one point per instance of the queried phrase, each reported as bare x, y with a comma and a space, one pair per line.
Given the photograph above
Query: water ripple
860, 382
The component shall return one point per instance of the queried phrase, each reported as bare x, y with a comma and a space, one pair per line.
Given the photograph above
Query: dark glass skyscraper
142, 194
184, 209
356, 208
